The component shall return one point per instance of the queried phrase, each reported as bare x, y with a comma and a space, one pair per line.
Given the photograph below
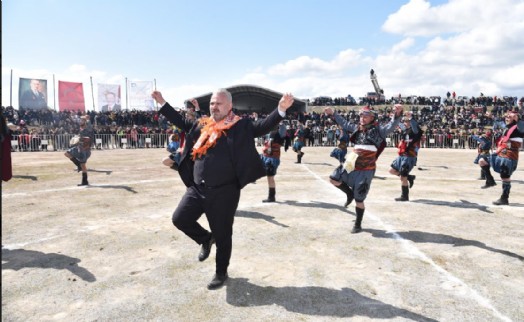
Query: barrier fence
26, 142
60, 142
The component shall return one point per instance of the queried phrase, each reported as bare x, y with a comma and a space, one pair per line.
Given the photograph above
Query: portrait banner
140, 95
71, 96
32, 93
109, 98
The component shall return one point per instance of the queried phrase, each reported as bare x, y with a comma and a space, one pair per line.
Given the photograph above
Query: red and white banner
140, 95
71, 96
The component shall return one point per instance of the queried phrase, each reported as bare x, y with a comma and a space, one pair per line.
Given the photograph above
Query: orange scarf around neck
211, 131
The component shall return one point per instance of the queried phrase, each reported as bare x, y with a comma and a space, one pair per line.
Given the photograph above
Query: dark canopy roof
251, 98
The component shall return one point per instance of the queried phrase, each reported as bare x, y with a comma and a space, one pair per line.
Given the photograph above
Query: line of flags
34, 94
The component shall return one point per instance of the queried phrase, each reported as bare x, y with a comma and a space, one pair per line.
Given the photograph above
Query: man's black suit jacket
240, 139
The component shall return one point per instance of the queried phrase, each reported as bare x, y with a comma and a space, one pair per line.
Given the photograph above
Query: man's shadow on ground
454, 204
17, 259
33, 178
107, 172
258, 215
425, 237
432, 166
314, 300
319, 163
127, 188
317, 204
271, 219
462, 204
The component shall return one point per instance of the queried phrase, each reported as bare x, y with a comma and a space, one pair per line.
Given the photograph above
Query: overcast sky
307, 47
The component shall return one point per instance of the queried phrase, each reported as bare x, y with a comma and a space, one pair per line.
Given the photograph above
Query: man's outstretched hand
285, 102
157, 96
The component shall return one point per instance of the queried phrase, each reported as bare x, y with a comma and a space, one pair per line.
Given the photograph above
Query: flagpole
11, 90
92, 94
154, 86
127, 96
54, 94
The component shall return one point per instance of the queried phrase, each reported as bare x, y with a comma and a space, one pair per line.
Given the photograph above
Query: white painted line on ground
69, 188
20, 245
412, 250
417, 253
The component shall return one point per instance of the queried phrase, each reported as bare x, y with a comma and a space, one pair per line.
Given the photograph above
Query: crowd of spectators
451, 99
445, 120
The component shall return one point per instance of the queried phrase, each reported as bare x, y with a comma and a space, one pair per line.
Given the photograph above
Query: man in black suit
111, 103
218, 160
33, 98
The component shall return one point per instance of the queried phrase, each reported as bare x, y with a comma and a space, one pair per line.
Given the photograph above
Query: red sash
503, 141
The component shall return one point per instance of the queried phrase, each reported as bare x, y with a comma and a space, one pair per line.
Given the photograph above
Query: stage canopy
250, 98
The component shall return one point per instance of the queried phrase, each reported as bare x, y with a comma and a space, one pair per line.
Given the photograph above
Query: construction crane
379, 91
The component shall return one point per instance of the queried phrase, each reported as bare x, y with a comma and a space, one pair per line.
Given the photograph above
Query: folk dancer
341, 150
506, 158
219, 159
407, 154
299, 142
368, 137
271, 157
483, 158
80, 151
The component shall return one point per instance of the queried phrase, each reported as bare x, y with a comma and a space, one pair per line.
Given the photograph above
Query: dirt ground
108, 252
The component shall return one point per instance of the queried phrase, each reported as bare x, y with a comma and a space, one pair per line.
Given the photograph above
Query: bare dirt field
108, 251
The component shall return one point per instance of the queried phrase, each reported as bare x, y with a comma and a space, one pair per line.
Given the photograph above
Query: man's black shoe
356, 229
488, 185
501, 201
349, 197
411, 180
206, 249
402, 198
217, 281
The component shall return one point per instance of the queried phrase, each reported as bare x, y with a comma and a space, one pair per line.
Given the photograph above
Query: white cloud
419, 18
511, 77
479, 58
403, 45
315, 66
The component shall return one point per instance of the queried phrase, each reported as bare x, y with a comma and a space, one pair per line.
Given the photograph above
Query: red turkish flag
71, 97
